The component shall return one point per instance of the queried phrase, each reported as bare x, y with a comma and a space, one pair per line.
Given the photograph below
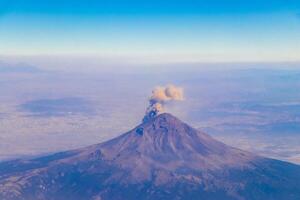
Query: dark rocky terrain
162, 158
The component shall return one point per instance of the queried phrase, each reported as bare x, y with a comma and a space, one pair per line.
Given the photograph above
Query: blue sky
194, 30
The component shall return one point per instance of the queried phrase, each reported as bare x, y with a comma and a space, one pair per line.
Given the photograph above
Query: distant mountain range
18, 68
162, 158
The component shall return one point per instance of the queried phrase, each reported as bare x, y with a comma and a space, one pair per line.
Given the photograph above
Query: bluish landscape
149, 100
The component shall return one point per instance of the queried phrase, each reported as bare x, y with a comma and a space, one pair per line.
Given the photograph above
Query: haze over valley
46, 110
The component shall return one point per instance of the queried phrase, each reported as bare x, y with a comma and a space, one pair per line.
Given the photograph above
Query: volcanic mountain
163, 158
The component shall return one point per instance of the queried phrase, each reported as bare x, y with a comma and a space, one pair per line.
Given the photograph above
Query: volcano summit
162, 158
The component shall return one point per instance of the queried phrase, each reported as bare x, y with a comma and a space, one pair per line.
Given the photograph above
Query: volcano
162, 158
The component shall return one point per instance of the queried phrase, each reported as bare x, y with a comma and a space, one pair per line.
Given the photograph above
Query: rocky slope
162, 158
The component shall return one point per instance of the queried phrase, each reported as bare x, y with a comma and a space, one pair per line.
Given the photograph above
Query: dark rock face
162, 158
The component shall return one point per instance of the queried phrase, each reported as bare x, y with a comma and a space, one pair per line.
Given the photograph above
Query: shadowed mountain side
162, 158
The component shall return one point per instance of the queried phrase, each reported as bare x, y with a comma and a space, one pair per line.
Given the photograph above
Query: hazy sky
196, 30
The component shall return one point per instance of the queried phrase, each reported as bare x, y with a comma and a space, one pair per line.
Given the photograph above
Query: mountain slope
162, 158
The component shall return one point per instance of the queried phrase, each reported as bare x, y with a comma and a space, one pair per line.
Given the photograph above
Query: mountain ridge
162, 158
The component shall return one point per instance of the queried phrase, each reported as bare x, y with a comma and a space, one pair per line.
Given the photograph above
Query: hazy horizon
197, 31
50, 109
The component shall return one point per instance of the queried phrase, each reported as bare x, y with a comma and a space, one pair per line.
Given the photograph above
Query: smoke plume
160, 96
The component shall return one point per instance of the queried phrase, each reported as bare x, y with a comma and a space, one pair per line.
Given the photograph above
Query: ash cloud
160, 96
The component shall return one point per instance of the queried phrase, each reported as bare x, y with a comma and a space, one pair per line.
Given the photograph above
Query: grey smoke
160, 96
